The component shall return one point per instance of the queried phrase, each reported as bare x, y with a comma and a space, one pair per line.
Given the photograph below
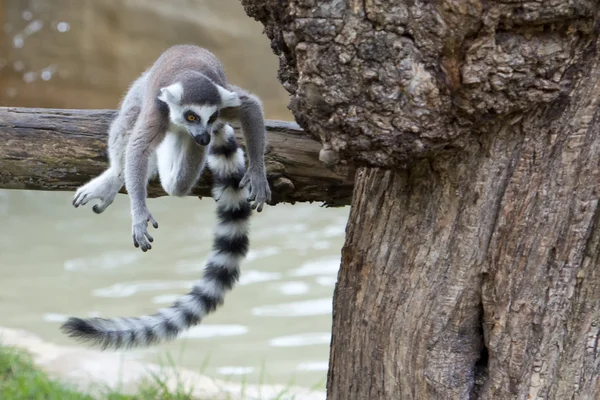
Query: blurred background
57, 261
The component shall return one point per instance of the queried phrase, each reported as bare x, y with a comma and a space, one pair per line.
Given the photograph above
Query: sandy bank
92, 371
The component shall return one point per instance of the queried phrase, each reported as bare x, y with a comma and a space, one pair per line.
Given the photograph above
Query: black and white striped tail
226, 161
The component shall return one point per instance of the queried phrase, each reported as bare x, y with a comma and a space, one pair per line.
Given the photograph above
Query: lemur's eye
191, 117
213, 117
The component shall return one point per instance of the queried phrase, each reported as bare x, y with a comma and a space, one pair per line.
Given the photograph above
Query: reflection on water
313, 366
58, 261
293, 288
208, 331
306, 339
296, 309
325, 266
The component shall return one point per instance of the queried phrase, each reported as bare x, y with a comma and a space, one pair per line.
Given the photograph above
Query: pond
57, 261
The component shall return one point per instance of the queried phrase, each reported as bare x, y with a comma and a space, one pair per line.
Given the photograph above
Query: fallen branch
59, 150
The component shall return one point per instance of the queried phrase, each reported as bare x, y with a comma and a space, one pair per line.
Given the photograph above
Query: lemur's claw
245, 180
260, 193
80, 199
140, 235
99, 208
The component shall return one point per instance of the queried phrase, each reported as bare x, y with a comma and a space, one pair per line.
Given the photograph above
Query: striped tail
230, 246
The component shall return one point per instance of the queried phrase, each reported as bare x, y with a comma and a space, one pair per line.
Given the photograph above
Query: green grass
20, 379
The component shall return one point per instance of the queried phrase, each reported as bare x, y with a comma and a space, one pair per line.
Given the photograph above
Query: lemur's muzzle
202, 139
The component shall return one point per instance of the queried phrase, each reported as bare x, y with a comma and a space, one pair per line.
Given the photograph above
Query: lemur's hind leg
180, 162
106, 186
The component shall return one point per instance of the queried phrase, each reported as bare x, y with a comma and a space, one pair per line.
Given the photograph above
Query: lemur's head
194, 103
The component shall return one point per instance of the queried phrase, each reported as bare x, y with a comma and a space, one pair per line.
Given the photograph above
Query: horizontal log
59, 150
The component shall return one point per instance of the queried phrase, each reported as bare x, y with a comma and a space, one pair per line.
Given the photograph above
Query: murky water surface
57, 261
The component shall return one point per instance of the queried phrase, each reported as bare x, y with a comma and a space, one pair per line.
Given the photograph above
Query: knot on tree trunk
384, 83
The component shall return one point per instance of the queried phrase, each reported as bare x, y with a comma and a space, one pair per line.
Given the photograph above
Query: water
57, 261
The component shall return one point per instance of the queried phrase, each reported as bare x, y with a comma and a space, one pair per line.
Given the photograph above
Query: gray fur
199, 89
149, 135
250, 115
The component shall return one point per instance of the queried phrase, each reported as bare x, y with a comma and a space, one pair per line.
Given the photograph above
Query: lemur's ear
171, 94
228, 99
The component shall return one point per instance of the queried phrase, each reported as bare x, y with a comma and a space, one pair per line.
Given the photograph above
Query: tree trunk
46, 149
505, 245
471, 264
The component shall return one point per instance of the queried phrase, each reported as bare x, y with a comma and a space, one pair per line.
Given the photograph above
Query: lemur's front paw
104, 188
259, 187
141, 237
84, 194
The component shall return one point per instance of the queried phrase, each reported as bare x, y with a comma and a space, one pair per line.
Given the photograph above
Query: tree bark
471, 263
49, 149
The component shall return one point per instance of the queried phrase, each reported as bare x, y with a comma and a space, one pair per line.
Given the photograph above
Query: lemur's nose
202, 139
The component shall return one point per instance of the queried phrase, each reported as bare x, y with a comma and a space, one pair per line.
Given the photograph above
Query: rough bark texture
471, 265
46, 149
385, 82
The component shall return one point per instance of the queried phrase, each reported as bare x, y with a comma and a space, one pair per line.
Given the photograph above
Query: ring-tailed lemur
184, 93
171, 115
226, 162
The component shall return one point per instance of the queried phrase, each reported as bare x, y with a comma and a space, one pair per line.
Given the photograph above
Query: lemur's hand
259, 187
140, 229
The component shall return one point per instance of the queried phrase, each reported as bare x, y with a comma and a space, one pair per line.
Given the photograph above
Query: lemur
173, 120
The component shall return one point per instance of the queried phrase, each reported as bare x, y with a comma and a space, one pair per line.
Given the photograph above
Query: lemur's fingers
76, 199
259, 203
245, 180
268, 199
142, 243
260, 193
82, 201
141, 237
154, 223
99, 208
265, 198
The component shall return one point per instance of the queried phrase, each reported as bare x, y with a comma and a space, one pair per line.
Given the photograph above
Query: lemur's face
198, 120
197, 110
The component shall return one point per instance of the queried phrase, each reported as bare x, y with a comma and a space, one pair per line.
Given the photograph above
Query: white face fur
187, 115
